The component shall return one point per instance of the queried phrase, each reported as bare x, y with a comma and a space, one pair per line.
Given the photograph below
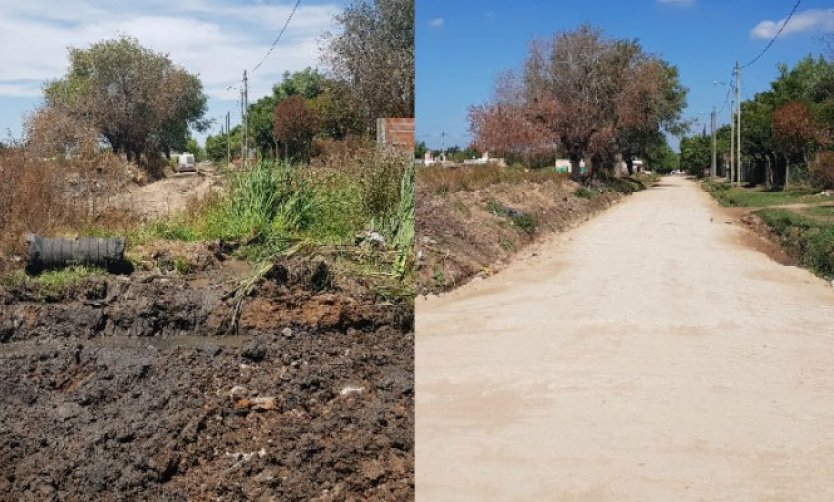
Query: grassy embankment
804, 224
276, 208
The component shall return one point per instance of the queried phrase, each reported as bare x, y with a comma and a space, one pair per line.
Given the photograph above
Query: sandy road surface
647, 355
167, 196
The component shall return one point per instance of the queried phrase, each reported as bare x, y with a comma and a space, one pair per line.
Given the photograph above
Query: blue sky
216, 39
463, 44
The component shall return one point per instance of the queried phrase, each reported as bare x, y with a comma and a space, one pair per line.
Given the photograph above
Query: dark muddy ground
133, 389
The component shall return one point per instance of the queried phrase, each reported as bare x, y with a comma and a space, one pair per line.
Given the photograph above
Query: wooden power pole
738, 128
713, 164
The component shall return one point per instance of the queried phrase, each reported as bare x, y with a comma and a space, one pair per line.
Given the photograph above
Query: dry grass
54, 196
441, 180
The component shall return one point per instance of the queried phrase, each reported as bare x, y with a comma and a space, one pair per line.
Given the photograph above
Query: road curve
647, 355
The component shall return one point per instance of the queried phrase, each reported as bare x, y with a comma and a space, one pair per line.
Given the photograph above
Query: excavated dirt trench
134, 389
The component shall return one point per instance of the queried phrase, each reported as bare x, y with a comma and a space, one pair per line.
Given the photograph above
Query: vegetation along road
650, 354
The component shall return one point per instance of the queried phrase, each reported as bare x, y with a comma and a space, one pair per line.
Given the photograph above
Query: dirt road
650, 354
168, 195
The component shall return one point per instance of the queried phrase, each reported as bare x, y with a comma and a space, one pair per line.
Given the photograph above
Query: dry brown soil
168, 195
459, 238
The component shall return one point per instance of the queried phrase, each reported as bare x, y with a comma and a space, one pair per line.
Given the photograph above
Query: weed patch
729, 196
524, 221
809, 240
585, 193
52, 283
443, 180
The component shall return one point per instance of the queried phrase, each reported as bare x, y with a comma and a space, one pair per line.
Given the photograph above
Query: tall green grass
271, 206
402, 225
267, 202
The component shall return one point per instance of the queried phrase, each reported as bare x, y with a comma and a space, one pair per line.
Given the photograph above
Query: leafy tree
338, 111
307, 83
794, 132
650, 102
139, 100
216, 146
374, 53
420, 149
191, 146
296, 124
52, 132
757, 140
595, 96
331, 99
568, 88
660, 157
696, 154
504, 126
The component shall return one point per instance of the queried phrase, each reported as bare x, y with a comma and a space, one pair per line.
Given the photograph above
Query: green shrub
584, 193
181, 265
622, 185
526, 222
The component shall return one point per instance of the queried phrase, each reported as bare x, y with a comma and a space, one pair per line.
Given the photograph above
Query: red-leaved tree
294, 127
795, 132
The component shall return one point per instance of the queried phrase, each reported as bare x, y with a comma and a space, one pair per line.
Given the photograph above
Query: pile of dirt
464, 234
132, 388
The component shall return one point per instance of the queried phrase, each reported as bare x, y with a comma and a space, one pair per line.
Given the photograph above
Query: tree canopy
374, 53
786, 125
593, 97
137, 99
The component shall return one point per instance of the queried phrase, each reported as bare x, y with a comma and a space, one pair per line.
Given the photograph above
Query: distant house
484, 160
637, 165
563, 166
428, 159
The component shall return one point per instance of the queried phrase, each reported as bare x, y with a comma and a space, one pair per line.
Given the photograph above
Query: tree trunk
768, 172
574, 166
787, 174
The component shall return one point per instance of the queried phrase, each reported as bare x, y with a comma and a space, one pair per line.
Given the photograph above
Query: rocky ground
126, 388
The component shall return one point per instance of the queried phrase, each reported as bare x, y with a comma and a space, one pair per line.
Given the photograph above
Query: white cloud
677, 2
436, 22
214, 39
807, 20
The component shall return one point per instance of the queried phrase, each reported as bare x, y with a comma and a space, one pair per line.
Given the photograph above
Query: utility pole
443, 145
738, 129
228, 140
732, 140
713, 164
245, 105
242, 129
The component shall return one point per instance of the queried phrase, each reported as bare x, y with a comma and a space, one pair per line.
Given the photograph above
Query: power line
726, 98
773, 40
292, 13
